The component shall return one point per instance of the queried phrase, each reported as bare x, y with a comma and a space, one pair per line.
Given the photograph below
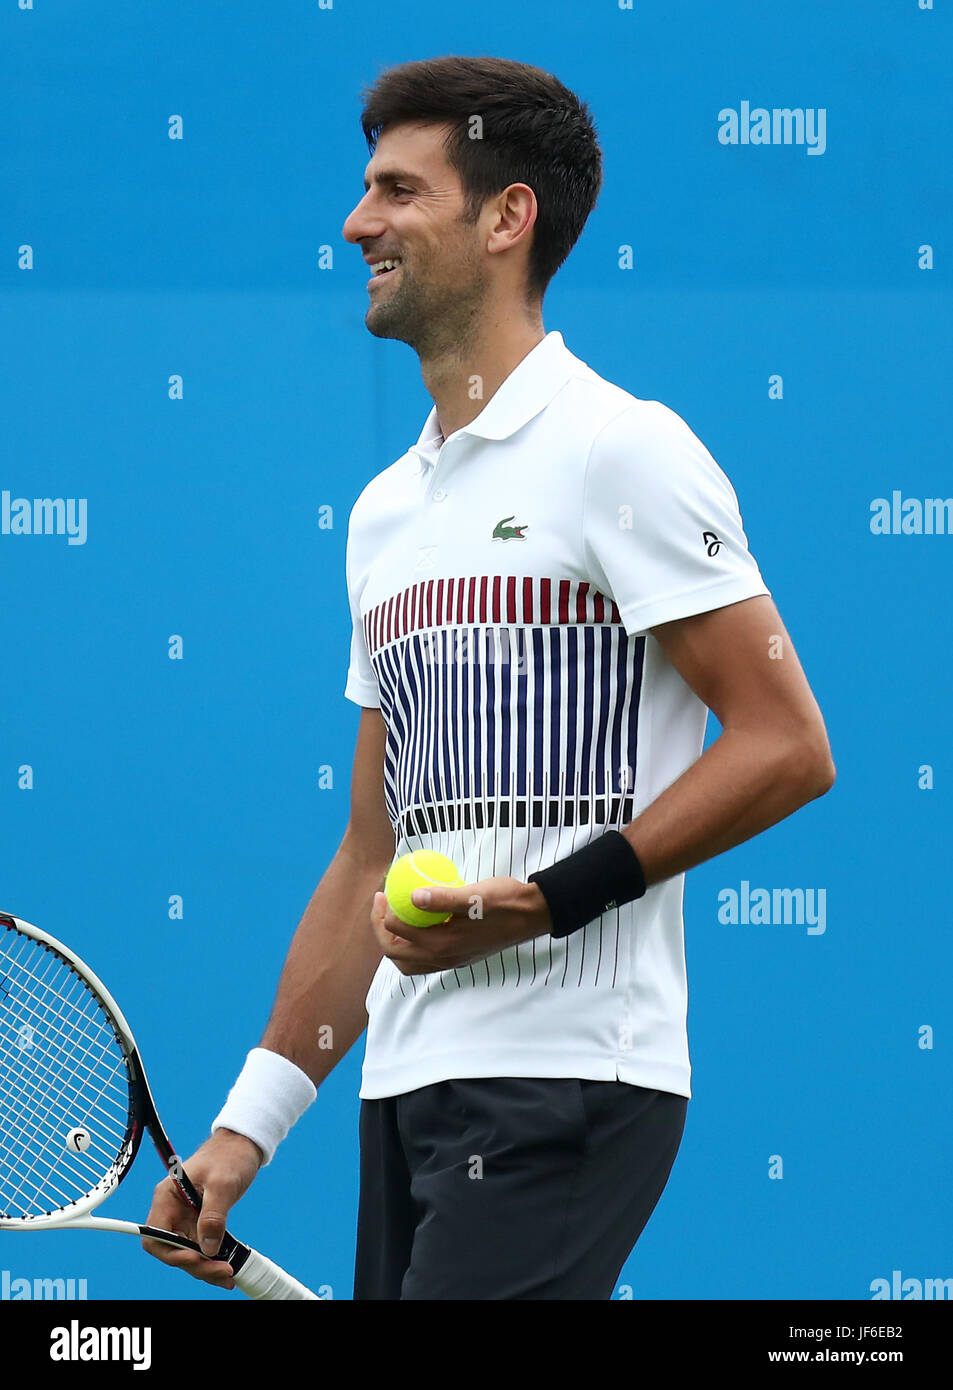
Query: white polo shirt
502, 587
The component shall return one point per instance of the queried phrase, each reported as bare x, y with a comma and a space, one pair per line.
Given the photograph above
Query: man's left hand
487, 917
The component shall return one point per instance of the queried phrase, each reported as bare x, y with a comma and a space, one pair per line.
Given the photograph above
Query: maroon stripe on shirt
528, 601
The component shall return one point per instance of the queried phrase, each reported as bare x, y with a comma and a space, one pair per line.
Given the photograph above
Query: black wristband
603, 874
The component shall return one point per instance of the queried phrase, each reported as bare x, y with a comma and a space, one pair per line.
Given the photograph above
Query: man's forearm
319, 1012
742, 784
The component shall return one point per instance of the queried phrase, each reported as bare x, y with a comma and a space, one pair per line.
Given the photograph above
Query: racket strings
61, 1068
26, 1032
26, 1117
36, 1141
49, 1098
82, 1068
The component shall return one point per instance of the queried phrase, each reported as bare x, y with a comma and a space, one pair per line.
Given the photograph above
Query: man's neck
462, 381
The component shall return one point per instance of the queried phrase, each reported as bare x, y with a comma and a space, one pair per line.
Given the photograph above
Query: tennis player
549, 590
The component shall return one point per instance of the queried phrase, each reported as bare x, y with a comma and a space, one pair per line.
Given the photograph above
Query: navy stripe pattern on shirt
512, 707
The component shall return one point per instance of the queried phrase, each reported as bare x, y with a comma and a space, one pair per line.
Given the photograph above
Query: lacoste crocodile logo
502, 532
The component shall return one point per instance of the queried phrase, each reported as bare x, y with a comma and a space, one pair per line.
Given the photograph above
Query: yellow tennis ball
423, 868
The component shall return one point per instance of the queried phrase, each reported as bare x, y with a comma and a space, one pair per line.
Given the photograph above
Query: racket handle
260, 1277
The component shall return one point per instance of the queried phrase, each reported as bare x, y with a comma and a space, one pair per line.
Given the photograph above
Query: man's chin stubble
435, 332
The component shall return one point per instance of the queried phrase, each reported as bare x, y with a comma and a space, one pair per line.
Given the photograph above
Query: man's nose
361, 223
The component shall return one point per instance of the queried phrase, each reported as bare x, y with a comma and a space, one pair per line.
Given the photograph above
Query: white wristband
270, 1095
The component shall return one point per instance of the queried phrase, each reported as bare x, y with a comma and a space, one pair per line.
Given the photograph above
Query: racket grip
260, 1277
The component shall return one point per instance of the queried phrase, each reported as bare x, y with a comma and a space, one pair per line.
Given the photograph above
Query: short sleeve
662, 532
361, 685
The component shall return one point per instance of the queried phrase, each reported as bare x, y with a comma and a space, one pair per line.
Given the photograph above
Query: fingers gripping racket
75, 1103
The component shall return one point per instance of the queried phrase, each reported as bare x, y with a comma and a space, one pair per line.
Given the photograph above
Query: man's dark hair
534, 131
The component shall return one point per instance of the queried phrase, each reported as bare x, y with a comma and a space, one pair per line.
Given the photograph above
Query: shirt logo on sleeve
712, 542
502, 532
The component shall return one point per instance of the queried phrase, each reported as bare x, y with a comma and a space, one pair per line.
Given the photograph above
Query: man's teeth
384, 265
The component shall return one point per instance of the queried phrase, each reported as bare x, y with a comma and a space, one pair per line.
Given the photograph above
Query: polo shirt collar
528, 389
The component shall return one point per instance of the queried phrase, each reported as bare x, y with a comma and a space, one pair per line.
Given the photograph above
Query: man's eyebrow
390, 176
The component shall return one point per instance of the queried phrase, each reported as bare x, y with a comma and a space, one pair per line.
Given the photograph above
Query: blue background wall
200, 257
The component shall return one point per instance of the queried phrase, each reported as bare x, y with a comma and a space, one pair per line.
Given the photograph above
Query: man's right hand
222, 1170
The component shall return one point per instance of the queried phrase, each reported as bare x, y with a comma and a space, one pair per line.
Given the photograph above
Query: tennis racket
75, 1103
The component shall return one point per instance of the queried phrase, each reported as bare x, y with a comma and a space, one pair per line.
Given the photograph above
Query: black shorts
509, 1187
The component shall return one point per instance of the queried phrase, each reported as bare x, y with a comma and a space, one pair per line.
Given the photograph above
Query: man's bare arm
319, 1013
772, 756
333, 955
